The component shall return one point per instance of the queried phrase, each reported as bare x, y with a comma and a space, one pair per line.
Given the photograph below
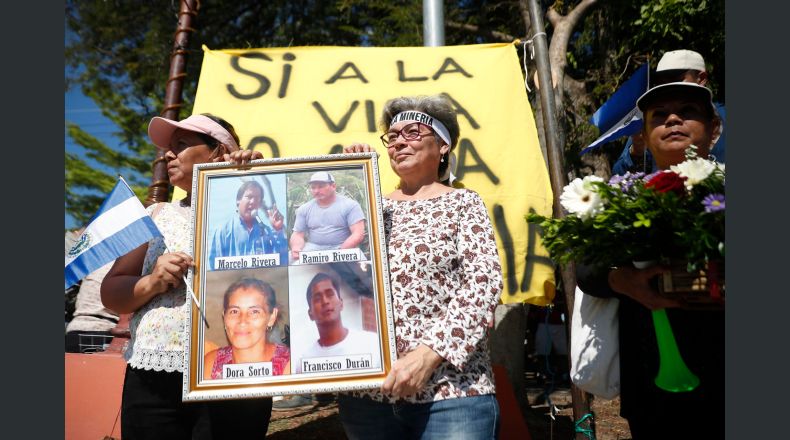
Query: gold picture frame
279, 262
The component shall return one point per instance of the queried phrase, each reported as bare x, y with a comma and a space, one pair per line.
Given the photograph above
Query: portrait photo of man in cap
328, 221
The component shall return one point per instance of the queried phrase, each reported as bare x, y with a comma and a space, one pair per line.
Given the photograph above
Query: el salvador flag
630, 124
618, 116
120, 225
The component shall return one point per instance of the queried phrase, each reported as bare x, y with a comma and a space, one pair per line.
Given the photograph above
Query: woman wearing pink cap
446, 281
148, 282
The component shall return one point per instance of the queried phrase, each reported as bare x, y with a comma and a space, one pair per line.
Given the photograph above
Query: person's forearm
297, 241
353, 240
593, 281
356, 237
127, 293
465, 318
297, 244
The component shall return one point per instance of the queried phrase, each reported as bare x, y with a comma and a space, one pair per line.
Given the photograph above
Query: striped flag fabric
629, 125
120, 225
618, 116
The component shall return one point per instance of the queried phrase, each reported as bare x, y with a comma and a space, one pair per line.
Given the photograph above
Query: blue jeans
464, 418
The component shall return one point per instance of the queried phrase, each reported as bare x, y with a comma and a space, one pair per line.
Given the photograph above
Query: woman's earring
269, 328
442, 158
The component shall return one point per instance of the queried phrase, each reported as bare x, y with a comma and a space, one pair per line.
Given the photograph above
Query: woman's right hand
358, 148
169, 271
241, 157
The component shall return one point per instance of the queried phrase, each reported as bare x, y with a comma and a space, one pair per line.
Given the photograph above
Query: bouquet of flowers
670, 215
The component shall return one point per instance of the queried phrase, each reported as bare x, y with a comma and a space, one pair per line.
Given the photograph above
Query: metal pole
581, 400
157, 191
433, 22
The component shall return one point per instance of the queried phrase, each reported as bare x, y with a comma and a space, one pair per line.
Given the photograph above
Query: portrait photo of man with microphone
255, 228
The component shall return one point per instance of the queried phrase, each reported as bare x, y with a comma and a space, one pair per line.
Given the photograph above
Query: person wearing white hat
329, 221
676, 116
681, 65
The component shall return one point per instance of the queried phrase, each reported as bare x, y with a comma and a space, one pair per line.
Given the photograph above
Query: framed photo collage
291, 276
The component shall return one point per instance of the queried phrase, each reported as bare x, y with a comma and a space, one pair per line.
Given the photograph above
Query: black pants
152, 409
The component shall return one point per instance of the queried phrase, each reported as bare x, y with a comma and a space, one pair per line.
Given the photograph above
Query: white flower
580, 198
695, 170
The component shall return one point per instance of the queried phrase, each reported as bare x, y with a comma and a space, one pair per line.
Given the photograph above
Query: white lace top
157, 328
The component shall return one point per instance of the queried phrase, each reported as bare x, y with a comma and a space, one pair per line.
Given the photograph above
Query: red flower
667, 181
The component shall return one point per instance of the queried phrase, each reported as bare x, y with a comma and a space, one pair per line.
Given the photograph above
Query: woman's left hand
410, 373
240, 157
358, 148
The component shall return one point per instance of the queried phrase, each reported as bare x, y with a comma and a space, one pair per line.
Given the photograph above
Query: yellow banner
301, 101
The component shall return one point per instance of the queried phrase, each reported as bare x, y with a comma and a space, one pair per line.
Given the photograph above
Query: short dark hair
321, 276
266, 290
210, 141
247, 185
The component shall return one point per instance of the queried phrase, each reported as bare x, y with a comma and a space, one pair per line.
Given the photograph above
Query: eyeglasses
409, 132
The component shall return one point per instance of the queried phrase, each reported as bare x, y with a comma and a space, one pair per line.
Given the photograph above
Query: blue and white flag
618, 116
629, 125
622, 101
121, 225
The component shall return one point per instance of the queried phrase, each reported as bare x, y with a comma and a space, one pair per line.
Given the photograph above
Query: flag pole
433, 23
581, 399
192, 294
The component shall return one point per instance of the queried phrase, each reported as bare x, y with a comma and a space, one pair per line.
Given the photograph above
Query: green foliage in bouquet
671, 214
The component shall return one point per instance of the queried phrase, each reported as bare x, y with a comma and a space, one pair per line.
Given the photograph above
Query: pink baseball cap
160, 130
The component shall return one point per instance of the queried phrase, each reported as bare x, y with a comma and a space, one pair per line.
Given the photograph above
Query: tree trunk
563, 27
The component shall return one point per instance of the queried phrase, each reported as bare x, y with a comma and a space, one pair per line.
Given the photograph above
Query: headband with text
415, 116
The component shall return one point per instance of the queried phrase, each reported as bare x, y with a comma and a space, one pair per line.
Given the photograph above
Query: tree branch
501, 36
578, 11
563, 28
524, 9
553, 16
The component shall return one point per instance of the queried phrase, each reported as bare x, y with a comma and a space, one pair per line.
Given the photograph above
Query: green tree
614, 39
118, 52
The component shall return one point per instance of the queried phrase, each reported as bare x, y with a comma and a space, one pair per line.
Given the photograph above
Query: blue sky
82, 111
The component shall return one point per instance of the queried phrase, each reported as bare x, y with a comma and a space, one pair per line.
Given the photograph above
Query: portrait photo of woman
249, 315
